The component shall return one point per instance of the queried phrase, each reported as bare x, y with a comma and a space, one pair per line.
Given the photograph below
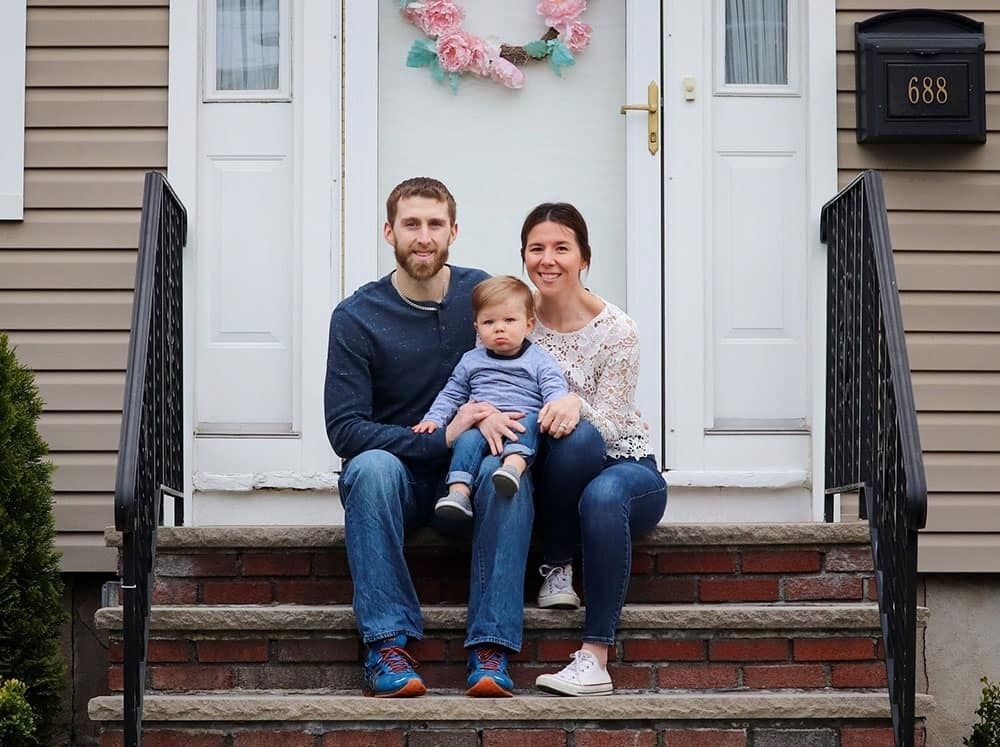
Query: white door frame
330, 37
821, 138
182, 172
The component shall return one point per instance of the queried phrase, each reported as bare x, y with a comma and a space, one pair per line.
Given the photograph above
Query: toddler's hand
425, 426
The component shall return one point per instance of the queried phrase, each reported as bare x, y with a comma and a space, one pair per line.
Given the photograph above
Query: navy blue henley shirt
387, 361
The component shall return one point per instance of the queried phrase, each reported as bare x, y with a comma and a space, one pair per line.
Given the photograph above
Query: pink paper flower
455, 52
506, 72
482, 55
576, 36
559, 13
435, 17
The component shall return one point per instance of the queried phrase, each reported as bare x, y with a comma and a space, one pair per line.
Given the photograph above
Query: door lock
652, 110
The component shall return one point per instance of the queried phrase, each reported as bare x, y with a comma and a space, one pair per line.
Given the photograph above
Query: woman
597, 347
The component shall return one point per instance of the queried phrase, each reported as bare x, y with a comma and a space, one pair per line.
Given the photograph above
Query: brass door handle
653, 119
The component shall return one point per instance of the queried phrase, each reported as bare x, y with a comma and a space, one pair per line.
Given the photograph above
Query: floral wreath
452, 51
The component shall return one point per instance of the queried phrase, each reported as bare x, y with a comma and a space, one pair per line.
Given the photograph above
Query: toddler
509, 373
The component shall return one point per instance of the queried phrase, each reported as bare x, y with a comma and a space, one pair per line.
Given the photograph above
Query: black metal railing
872, 443
151, 445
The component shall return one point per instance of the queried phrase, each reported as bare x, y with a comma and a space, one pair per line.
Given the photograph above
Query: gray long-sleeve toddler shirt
519, 383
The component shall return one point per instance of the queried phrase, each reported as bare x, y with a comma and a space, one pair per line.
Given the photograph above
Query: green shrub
31, 610
986, 733
17, 722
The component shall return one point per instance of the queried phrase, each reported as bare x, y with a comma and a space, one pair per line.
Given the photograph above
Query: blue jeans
624, 499
382, 497
470, 448
562, 469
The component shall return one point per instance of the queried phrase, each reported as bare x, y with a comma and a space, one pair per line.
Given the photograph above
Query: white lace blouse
601, 363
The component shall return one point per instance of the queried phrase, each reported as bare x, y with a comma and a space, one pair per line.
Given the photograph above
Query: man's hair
419, 186
499, 289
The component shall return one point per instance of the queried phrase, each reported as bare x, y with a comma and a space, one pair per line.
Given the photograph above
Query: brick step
679, 563
327, 719
659, 647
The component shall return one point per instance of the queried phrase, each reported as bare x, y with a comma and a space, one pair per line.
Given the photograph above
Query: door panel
246, 296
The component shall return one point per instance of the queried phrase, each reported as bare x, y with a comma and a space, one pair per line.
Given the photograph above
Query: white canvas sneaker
583, 676
557, 588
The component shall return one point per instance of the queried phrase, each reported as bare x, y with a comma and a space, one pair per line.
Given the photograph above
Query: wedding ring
563, 426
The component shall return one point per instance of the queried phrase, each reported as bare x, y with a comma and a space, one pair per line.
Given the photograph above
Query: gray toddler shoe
454, 506
506, 480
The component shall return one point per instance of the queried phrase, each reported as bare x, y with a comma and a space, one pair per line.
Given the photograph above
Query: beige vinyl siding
96, 114
944, 217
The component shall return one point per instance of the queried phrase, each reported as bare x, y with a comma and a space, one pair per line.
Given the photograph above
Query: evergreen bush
986, 733
31, 610
17, 722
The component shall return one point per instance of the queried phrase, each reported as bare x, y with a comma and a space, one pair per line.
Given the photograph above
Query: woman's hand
468, 416
498, 426
560, 417
425, 426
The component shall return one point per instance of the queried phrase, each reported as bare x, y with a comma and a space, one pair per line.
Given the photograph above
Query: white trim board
13, 46
278, 480
821, 132
737, 479
182, 171
359, 144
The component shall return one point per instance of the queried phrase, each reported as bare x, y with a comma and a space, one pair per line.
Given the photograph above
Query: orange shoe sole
412, 689
488, 688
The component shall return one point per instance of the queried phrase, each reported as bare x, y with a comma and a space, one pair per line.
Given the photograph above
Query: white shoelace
581, 662
556, 577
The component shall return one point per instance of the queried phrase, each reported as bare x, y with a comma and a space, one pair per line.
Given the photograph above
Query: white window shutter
13, 30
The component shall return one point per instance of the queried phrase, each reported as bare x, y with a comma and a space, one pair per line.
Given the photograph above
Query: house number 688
927, 90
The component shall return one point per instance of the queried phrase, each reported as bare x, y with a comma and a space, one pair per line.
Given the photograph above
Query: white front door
503, 151
744, 272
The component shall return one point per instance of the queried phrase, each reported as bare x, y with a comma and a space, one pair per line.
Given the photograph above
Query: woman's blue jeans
618, 500
382, 496
471, 447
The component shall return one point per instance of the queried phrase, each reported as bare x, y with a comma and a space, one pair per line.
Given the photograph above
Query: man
392, 346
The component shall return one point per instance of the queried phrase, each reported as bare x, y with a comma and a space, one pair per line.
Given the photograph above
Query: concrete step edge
340, 618
275, 706
683, 536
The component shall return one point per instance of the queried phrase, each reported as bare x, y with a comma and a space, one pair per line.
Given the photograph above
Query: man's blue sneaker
389, 670
488, 676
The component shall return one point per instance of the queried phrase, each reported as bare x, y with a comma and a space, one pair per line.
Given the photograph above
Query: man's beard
420, 270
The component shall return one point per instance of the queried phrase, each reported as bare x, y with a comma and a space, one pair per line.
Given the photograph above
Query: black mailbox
921, 77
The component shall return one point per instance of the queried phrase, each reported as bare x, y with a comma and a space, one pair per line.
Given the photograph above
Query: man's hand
469, 415
498, 426
425, 426
560, 417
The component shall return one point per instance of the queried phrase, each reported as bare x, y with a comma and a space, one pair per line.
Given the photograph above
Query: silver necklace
414, 304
